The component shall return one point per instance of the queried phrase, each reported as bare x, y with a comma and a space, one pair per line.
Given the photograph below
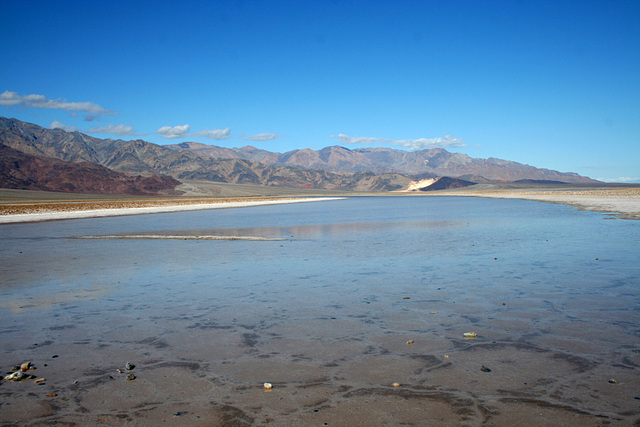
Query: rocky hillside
332, 168
141, 157
24, 171
436, 161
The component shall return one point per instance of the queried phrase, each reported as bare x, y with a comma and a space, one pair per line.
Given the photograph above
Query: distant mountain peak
332, 167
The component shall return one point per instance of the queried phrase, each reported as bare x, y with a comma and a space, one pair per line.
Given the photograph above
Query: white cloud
10, 99
263, 136
183, 132
622, 179
57, 125
412, 144
174, 132
114, 129
213, 134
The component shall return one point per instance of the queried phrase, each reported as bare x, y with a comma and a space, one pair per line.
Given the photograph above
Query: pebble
469, 335
16, 376
485, 369
131, 377
612, 381
410, 342
396, 384
268, 386
130, 366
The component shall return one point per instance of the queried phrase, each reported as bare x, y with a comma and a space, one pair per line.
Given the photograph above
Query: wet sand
216, 376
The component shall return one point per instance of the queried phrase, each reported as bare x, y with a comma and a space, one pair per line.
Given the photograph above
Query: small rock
129, 366
396, 384
268, 386
612, 381
131, 377
51, 395
40, 380
25, 366
410, 342
485, 369
16, 376
469, 335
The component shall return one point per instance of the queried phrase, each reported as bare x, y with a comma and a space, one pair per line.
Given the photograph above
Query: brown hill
20, 170
446, 183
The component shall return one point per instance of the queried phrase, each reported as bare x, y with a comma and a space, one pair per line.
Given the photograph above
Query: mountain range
333, 168
379, 160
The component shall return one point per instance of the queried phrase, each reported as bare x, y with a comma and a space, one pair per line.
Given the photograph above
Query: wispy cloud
412, 144
10, 99
120, 130
263, 136
183, 132
57, 125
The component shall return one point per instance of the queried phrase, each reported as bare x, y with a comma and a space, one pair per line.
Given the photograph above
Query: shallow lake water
349, 298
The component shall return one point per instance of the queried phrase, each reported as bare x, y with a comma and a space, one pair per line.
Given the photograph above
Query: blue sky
552, 84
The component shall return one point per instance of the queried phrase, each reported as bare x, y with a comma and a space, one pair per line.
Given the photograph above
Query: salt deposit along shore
76, 210
621, 202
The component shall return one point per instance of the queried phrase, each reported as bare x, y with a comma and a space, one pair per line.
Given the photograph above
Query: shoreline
623, 203
37, 212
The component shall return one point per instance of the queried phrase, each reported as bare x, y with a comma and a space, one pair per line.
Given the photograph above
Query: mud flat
623, 202
219, 381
